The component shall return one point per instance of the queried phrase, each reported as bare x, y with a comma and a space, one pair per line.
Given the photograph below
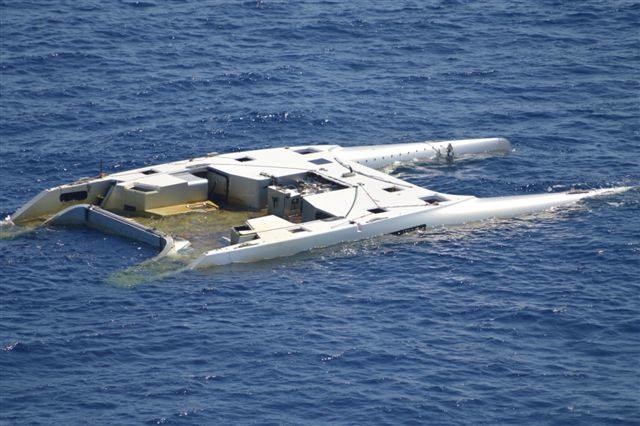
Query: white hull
463, 211
315, 196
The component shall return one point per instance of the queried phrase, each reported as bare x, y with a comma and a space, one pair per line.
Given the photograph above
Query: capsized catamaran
310, 196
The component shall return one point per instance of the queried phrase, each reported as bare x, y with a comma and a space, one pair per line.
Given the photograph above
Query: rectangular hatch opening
244, 159
305, 151
393, 189
377, 210
433, 200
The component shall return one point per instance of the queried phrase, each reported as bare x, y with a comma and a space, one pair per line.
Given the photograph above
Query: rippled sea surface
532, 320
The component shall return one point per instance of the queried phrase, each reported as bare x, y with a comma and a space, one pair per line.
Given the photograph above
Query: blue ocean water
533, 320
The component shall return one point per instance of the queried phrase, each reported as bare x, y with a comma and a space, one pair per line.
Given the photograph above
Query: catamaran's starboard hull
462, 211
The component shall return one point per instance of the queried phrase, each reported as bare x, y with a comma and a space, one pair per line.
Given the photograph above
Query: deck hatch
433, 199
377, 210
320, 161
393, 189
305, 151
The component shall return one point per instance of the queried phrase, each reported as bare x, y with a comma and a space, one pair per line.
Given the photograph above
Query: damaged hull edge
102, 220
309, 196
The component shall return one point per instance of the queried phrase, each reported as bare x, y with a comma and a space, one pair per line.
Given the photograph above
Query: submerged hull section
304, 197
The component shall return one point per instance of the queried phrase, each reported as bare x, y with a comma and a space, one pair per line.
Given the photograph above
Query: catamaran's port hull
166, 185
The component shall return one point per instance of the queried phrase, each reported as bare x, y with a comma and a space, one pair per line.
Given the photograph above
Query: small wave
138, 4
10, 346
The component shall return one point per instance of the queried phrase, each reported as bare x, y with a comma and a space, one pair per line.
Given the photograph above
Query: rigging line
372, 199
354, 219
354, 203
369, 175
351, 221
355, 197
358, 217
